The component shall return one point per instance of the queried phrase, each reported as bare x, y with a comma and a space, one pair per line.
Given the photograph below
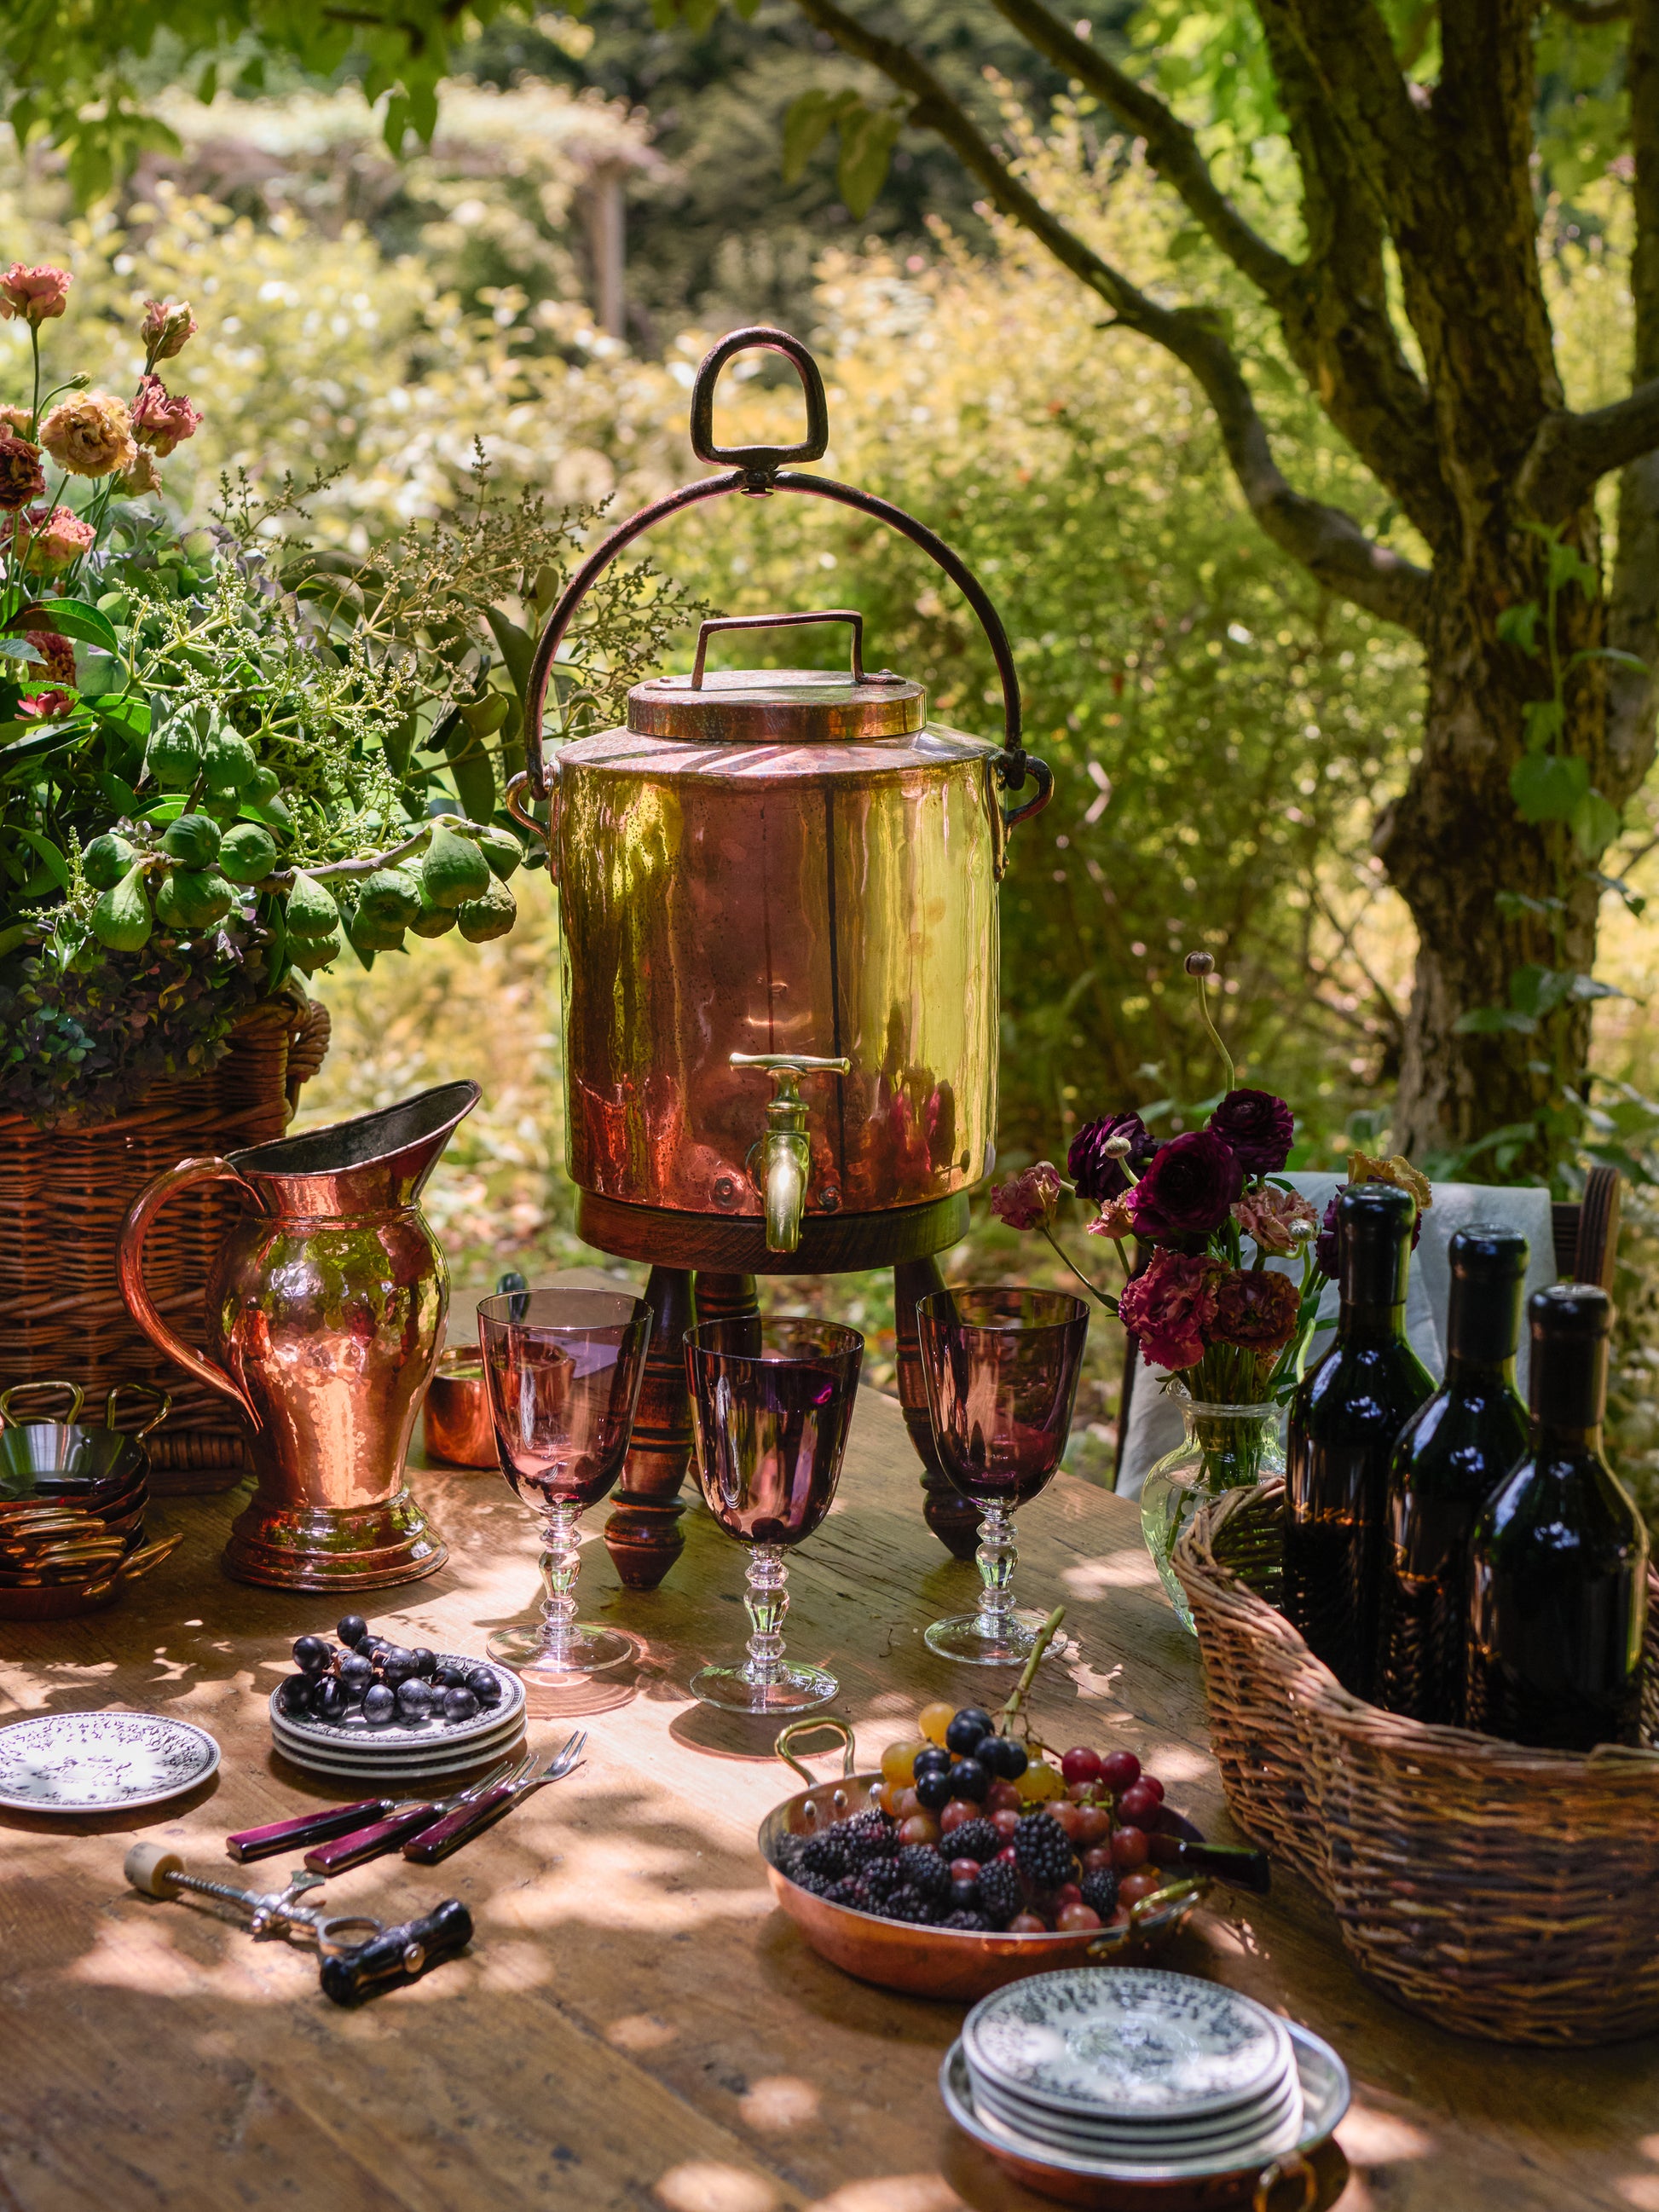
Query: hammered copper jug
778, 893
325, 1308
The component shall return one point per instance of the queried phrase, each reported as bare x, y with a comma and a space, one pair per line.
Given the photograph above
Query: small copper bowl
455, 1418
957, 1963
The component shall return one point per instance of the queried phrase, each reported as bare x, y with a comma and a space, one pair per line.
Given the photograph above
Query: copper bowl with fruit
955, 1963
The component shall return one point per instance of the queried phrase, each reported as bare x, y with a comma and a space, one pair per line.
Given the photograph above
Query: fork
348, 1822
448, 1834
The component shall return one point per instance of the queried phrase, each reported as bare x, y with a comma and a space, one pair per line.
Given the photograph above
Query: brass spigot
786, 1150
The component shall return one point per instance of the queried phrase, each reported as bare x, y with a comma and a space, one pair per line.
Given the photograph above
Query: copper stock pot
778, 894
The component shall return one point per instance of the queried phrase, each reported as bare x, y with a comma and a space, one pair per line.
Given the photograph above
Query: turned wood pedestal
704, 1269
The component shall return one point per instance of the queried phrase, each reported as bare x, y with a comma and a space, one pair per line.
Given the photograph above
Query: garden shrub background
1222, 735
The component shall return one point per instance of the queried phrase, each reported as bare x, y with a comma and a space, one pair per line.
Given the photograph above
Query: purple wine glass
563, 1371
1001, 1368
771, 1402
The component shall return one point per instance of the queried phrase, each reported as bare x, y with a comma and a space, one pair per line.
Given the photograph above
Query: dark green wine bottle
1451, 1456
1344, 1418
1558, 1559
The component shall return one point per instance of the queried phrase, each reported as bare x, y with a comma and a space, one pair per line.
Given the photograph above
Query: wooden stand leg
643, 1534
726, 1298
951, 1516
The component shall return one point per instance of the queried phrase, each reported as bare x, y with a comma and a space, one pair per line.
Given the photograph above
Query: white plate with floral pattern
100, 1762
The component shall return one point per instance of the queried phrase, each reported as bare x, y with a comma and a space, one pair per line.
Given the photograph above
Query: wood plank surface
635, 2026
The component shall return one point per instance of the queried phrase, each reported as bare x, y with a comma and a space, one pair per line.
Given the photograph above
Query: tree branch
1172, 146
1633, 601
1570, 452
1328, 544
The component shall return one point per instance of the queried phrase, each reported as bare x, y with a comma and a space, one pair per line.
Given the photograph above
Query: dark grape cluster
974, 1880
384, 1681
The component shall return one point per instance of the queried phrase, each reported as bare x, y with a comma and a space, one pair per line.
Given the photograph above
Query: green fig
492, 915
174, 755
312, 953
228, 760
434, 921
368, 933
390, 896
192, 898
192, 840
248, 853
311, 908
107, 859
454, 869
503, 852
121, 919
261, 787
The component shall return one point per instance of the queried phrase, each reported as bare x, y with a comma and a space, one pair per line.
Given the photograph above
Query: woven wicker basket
1504, 1893
64, 1193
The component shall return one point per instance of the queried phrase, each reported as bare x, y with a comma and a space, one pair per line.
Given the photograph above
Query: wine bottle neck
1364, 1321
1463, 1373
1556, 1440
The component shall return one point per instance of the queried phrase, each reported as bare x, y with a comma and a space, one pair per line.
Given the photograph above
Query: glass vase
1224, 1448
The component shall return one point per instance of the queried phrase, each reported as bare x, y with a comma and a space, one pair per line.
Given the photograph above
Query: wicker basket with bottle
1506, 1893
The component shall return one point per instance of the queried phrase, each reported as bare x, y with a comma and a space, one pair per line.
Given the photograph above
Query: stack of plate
72, 1505
1133, 2072
414, 1751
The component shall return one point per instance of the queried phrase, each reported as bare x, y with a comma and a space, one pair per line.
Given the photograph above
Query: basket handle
797, 1728
759, 471
130, 1268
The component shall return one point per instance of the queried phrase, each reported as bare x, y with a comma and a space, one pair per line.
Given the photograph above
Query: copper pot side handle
130, 1270
838, 1728
159, 1399
9, 1411
520, 796
1292, 2167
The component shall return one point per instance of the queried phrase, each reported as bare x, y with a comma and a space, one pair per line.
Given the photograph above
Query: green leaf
49, 853
74, 618
1633, 661
12, 938
1513, 904
868, 138
1543, 720
1635, 902
1596, 822
1546, 787
17, 648
1493, 1021
207, 85
805, 126
518, 649
1568, 566
1518, 626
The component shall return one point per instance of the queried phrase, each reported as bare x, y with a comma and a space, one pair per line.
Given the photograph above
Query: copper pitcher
325, 1308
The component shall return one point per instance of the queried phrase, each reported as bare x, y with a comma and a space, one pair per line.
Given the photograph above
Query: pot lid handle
759, 471
860, 674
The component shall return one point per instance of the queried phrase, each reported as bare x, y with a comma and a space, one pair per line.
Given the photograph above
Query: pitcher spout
365, 1165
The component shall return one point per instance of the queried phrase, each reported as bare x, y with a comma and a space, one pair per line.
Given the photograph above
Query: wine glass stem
997, 1561
560, 1562
767, 1596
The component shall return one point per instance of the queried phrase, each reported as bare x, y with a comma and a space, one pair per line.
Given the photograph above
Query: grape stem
1013, 1709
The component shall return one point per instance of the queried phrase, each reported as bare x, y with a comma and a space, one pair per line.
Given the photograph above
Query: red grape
1068, 1815
1005, 1820
964, 1869
1118, 1769
1004, 1797
1128, 1849
920, 1828
1081, 1764
1150, 1782
1068, 1893
956, 1814
1134, 1886
1137, 1805
1094, 1825
1097, 1860
1027, 1924
1073, 1919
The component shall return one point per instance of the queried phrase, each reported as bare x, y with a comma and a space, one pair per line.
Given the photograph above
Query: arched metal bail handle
759, 337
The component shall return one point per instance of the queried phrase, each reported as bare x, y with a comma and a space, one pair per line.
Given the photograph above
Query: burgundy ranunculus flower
1328, 1245
1189, 1187
1255, 1309
1169, 1308
1097, 1176
1260, 1127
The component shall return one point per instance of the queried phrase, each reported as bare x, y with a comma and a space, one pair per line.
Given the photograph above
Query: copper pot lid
778, 706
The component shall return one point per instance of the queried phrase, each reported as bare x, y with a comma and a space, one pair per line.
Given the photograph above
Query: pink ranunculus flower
167, 327
50, 542
46, 705
1113, 1221
1032, 1200
1171, 1308
1279, 1220
33, 294
160, 420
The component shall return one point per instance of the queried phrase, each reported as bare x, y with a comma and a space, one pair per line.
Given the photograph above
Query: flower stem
1017, 1696
1093, 1289
1202, 981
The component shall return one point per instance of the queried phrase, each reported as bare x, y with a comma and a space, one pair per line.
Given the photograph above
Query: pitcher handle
130, 1268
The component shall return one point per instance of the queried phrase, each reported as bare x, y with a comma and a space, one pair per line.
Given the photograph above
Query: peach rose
35, 295
90, 435
51, 542
160, 421
167, 327
18, 420
143, 476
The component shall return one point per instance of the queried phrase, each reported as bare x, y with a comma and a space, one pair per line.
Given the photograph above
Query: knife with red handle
249, 1844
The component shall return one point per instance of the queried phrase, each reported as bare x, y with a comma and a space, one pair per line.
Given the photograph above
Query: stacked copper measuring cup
72, 1500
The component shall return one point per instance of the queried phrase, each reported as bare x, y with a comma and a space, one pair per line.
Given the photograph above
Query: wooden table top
635, 2026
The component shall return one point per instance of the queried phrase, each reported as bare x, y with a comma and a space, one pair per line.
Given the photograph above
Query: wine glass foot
790, 1690
969, 1639
549, 1666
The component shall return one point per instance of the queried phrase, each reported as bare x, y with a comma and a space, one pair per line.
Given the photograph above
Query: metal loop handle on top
761, 471
860, 675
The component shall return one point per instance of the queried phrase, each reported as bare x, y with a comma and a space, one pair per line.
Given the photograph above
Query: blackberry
907, 1904
1100, 1892
1000, 1893
976, 1921
1044, 1851
825, 1854
964, 1896
973, 1839
815, 1885
921, 1867
844, 1892
880, 1878
866, 1837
